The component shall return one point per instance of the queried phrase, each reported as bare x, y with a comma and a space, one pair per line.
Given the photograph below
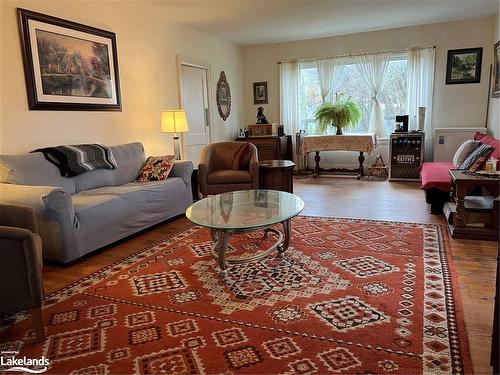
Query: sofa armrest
183, 169
54, 213
40, 198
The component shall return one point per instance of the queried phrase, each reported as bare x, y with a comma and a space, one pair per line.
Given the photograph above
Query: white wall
454, 105
494, 113
147, 44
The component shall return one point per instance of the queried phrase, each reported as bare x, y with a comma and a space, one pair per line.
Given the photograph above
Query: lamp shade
174, 121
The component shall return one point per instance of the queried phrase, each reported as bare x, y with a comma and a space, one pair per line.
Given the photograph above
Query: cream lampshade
174, 121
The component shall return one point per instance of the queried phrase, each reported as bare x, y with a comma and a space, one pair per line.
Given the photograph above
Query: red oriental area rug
351, 296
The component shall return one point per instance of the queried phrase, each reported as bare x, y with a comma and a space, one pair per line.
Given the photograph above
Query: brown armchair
216, 173
21, 285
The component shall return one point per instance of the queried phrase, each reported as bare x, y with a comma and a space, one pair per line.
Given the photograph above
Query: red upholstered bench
437, 182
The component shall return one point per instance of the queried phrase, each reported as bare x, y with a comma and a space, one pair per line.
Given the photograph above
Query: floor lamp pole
177, 148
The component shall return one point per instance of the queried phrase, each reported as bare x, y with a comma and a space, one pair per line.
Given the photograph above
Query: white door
194, 91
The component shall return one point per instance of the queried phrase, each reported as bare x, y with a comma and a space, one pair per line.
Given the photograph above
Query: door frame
188, 61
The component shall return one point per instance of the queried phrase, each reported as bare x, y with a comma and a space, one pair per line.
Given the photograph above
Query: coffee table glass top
245, 209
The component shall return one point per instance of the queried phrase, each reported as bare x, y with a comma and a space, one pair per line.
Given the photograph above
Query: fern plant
343, 112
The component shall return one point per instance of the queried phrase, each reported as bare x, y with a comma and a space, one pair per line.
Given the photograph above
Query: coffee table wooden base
221, 242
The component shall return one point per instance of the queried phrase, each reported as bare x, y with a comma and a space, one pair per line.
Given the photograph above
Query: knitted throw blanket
77, 159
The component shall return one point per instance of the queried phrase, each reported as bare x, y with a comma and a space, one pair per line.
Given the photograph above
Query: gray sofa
77, 215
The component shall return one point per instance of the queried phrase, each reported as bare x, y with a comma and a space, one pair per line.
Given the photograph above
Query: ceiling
247, 22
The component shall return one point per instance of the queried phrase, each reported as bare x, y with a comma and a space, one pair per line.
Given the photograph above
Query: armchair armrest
183, 169
202, 178
254, 166
18, 216
20, 269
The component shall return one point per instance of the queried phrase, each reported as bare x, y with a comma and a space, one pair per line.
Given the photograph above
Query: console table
347, 142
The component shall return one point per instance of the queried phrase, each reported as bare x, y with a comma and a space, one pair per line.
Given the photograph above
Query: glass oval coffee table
246, 211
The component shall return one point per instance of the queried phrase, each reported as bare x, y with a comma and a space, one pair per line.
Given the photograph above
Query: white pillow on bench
464, 151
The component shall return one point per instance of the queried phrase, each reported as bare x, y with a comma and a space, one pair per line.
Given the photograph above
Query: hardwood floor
475, 261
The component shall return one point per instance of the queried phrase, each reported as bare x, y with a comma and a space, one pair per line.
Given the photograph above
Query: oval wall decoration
223, 95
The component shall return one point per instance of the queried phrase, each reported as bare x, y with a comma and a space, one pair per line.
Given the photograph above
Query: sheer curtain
328, 72
289, 98
420, 91
372, 68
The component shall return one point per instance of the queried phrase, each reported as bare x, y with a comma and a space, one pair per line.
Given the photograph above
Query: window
392, 97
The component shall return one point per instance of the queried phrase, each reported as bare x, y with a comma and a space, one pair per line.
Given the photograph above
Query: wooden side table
462, 185
276, 175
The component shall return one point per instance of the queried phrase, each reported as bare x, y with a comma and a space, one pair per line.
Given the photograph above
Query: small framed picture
464, 65
260, 93
496, 71
68, 66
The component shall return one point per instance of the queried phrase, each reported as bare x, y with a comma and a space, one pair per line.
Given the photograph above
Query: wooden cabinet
271, 148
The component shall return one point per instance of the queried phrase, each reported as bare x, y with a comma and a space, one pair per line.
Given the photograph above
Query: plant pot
339, 131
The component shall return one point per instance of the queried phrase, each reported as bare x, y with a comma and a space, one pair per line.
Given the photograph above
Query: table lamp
174, 121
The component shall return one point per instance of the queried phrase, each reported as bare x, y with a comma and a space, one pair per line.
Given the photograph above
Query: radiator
447, 141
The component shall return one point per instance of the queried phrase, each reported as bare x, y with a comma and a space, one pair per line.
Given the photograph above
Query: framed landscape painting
496, 71
67, 65
464, 65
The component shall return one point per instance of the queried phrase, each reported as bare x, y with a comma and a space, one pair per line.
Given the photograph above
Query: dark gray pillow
483, 149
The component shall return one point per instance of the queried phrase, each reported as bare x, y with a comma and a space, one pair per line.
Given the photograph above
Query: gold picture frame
495, 91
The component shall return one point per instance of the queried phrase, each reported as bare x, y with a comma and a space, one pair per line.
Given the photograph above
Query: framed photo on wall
464, 65
496, 71
68, 66
260, 93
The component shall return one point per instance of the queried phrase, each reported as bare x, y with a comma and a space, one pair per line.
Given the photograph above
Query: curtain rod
354, 54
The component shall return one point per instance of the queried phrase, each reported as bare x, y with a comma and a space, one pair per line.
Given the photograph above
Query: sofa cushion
486, 139
73, 160
129, 160
464, 150
109, 213
435, 175
229, 176
33, 169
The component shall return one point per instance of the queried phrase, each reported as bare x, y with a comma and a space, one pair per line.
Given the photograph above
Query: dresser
271, 148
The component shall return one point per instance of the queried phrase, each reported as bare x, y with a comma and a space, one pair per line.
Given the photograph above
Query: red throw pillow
156, 168
488, 140
242, 158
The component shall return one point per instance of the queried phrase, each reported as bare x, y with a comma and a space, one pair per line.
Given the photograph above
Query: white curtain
289, 98
420, 92
372, 69
328, 72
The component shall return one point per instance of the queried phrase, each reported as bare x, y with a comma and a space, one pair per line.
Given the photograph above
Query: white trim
196, 63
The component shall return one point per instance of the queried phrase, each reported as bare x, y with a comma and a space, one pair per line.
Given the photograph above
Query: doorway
194, 97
